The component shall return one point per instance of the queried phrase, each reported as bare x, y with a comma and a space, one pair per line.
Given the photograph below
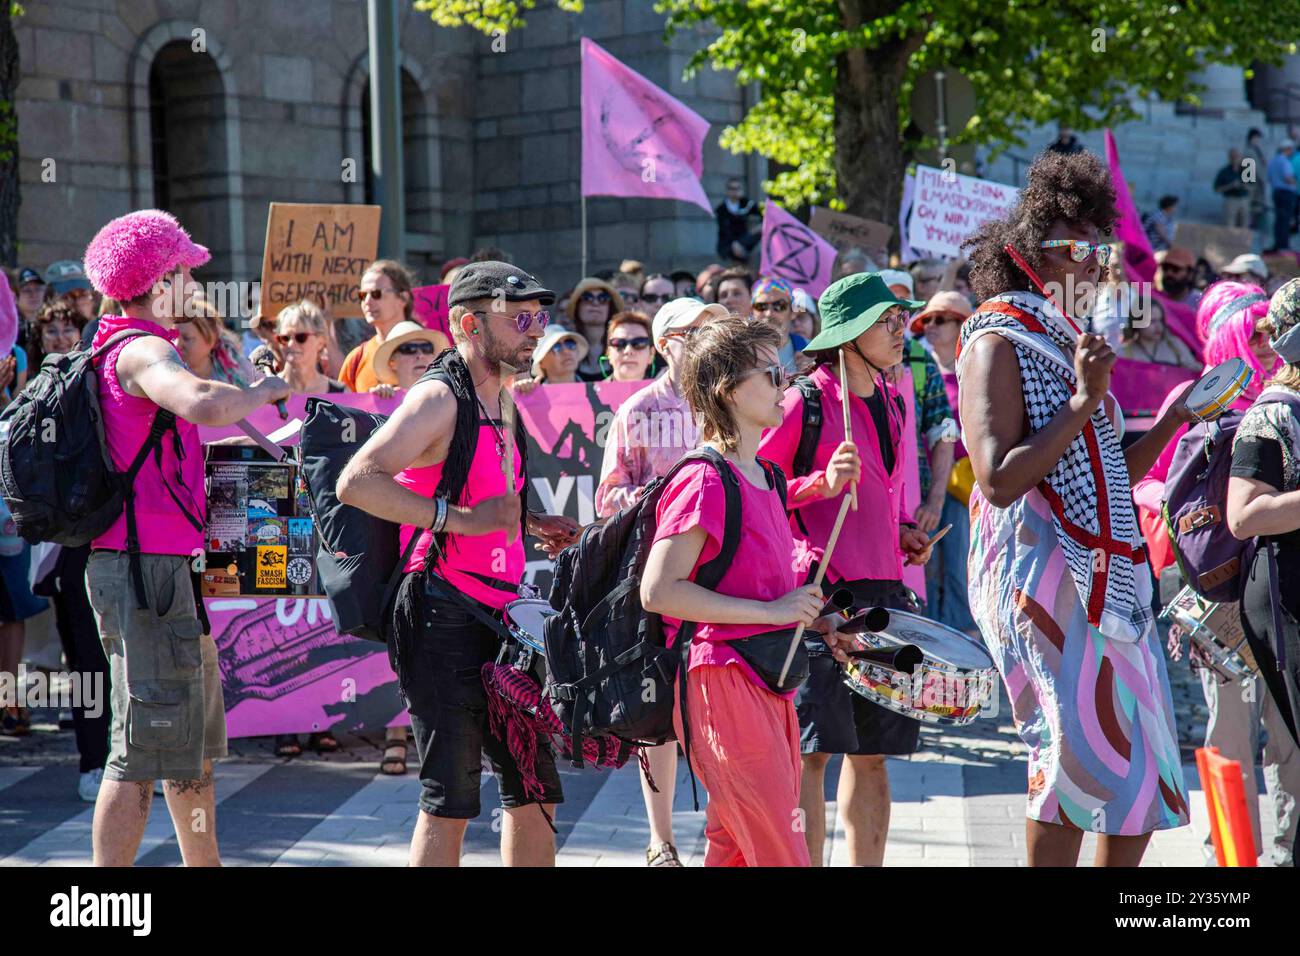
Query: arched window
187, 137
417, 136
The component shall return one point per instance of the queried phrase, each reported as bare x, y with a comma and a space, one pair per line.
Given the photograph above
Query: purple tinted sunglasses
525, 319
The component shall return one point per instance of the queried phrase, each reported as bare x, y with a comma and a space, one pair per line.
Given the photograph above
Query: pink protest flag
636, 139
1139, 262
429, 307
793, 252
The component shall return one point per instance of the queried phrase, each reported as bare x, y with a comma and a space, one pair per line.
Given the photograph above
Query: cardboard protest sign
844, 231
947, 208
1217, 245
430, 307
318, 250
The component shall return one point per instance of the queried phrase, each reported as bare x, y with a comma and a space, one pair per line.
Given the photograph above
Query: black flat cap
488, 280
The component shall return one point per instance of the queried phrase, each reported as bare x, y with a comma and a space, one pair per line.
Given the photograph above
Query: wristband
440, 515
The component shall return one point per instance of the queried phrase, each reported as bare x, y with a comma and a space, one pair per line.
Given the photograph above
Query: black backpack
358, 559
56, 474
608, 671
811, 433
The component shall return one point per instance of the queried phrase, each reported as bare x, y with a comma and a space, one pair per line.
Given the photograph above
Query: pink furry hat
134, 251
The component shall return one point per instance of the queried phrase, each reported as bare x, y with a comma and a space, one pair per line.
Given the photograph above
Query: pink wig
1230, 337
134, 251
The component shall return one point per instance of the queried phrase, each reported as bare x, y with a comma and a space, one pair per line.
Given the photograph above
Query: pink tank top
163, 528
483, 567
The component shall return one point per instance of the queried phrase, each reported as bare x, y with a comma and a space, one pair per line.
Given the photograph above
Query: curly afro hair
1075, 187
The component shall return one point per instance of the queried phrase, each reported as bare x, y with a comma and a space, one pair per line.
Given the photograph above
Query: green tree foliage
1087, 63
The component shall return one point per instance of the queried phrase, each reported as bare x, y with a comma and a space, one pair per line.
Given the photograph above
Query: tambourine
1216, 390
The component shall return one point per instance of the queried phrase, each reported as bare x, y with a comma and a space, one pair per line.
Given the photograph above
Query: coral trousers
744, 747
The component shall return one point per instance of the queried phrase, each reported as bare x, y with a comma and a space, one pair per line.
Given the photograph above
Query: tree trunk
870, 158
9, 198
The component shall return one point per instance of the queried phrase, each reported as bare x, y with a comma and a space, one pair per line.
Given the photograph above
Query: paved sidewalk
959, 801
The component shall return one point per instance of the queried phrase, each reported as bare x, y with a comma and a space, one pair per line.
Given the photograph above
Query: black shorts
835, 720
444, 649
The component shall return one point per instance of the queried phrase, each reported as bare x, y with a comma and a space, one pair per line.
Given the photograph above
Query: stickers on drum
1215, 630
951, 685
1216, 390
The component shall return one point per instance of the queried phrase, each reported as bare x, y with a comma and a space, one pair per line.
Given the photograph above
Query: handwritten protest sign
318, 250
430, 307
947, 208
844, 231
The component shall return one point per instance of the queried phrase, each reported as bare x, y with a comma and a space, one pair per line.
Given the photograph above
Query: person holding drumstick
862, 324
743, 735
1059, 583
650, 431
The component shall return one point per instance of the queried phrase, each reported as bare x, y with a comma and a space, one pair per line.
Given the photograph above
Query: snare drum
1215, 630
954, 680
525, 620
1216, 390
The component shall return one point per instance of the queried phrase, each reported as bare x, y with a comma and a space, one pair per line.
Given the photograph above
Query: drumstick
848, 422
821, 573
938, 535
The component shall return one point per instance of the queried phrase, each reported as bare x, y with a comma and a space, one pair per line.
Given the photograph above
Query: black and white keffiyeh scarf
1088, 490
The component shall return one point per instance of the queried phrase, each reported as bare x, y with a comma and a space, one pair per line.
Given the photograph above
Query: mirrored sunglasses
1080, 250
640, 343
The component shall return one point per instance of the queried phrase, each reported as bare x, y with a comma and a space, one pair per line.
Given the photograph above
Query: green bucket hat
852, 305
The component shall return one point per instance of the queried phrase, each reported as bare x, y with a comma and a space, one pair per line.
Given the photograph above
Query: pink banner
793, 252
1141, 387
636, 139
430, 307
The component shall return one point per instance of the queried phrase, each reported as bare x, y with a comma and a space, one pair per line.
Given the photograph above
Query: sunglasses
564, 345
651, 297
1080, 250
780, 305
594, 298
775, 375
640, 343
630, 297
414, 348
525, 319
377, 293
299, 337
942, 318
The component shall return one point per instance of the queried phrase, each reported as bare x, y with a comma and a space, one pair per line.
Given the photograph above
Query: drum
1216, 390
525, 620
951, 684
1215, 630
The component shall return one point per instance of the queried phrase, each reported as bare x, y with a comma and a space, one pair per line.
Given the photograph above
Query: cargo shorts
168, 715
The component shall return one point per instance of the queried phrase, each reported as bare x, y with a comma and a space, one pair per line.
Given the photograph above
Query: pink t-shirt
764, 568
868, 544
483, 567
162, 526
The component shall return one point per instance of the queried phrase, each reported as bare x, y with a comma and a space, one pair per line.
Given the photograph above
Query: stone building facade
214, 108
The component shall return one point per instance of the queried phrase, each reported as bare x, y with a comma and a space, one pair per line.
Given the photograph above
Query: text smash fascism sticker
271, 562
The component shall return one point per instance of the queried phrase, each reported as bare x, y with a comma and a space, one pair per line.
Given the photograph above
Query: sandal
286, 745
665, 854
394, 762
323, 742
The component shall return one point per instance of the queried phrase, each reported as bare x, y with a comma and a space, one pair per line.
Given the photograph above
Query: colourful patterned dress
1094, 710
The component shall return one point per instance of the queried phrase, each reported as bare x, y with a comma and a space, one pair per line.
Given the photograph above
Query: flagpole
584, 237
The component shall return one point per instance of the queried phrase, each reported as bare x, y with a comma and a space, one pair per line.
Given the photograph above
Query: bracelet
440, 515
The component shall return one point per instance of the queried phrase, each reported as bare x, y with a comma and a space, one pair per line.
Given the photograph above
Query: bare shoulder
430, 403
148, 359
